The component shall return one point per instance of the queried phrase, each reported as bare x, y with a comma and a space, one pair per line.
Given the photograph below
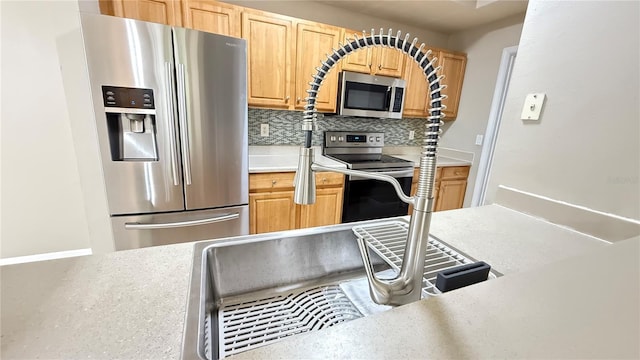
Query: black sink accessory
461, 276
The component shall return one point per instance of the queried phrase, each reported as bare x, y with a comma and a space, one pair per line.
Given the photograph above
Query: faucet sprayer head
305, 181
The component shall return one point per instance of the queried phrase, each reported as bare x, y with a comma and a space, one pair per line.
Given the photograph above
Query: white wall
315, 11
42, 203
586, 148
483, 46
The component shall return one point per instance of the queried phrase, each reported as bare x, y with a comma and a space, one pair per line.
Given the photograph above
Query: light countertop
131, 304
285, 159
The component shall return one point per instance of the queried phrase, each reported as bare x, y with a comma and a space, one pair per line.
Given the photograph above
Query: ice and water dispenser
131, 123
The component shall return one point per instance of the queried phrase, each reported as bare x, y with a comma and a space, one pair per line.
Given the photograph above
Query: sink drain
255, 323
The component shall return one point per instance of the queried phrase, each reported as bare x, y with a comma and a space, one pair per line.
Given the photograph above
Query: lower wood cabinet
326, 211
271, 205
450, 187
272, 211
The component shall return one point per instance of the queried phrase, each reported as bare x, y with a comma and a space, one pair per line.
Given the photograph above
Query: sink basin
250, 291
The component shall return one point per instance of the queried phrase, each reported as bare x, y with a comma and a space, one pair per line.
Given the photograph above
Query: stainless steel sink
250, 291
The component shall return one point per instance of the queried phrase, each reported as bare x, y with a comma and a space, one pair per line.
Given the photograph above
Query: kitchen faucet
406, 287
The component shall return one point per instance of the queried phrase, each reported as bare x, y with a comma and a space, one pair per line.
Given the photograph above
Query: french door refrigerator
171, 112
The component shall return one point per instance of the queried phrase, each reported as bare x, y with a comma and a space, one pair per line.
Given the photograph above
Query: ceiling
446, 16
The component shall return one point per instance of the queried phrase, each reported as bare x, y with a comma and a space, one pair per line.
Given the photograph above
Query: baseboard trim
45, 256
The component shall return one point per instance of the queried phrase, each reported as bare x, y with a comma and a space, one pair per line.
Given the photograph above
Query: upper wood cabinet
416, 96
374, 61
159, 11
313, 42
270, 49
212, 17
388, 62
283, 52
453, 67
416, 91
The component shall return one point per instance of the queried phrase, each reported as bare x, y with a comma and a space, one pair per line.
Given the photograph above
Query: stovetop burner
370, 161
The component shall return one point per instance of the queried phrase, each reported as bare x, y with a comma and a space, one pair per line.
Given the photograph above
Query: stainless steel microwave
370, 96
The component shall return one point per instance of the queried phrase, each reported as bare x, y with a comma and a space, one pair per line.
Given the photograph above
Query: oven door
366, 199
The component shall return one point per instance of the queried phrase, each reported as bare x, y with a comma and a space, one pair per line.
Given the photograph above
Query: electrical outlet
479, 139
412, 135
264, 129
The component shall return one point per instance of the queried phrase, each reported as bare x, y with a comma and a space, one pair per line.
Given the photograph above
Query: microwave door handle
390, 91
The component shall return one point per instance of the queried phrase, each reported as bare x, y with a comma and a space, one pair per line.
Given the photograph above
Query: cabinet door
313, 43
326, 211
388, 62
451, 194
159, 11
453, 67
212, 17
269, 53
359, 61
273, 211
415, 97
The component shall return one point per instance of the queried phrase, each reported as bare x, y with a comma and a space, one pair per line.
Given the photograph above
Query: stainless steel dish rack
389, 240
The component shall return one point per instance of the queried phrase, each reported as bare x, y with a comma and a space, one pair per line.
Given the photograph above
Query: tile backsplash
285, 128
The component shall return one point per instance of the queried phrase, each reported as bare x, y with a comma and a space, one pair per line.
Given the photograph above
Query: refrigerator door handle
139, 226
182, 116
172, 125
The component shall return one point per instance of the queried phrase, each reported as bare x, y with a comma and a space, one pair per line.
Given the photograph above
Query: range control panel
353, 139
124, 97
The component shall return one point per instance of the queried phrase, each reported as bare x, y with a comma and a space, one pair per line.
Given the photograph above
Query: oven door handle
393, 173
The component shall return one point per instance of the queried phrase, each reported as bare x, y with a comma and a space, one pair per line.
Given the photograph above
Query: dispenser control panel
125, 97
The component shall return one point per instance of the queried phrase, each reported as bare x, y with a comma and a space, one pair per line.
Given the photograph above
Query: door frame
493, 126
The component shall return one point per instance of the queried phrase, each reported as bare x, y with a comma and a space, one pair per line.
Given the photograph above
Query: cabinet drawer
455, 172
326, 179
271, 181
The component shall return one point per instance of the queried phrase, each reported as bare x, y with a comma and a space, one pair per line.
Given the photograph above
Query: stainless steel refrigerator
171, 112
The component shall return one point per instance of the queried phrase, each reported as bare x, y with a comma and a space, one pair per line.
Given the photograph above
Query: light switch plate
264, 129
479, 139
532, 106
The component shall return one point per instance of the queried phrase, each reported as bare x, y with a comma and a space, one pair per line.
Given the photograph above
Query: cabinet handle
324, 180
380, 67
286, 99
273, 182
298, 100
370, 65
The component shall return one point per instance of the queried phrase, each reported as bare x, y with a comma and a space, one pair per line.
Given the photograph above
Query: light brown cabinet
159, 11
269, 57
416, 90
374, 61
271, 205
326, 211
417, 97
262, 207
453, 67
210, 16
313, 42
283, 53
450, 187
